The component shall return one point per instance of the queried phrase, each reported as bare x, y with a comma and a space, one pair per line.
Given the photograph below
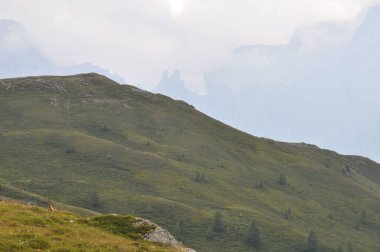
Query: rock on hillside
162, 236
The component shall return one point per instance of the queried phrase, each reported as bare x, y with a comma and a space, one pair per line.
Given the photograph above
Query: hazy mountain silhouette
19, 57
321, 88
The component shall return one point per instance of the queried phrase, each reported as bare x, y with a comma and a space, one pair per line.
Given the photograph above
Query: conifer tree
364, 217
259, 184
288, 214
181, 227
282, 180
349, 247
217, 225
95, 202
312, 242
253, 238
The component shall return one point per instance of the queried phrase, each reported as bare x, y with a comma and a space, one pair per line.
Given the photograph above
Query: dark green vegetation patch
121, 225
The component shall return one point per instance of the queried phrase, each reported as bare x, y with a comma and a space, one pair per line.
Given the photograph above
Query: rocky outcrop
162, 236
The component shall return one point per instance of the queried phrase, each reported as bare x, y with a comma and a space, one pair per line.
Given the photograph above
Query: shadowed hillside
86, 141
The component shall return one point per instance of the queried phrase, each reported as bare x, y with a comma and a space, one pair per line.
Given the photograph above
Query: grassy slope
28, 228
85, 139
11, 193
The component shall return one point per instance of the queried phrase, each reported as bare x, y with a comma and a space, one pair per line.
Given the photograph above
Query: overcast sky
139, 39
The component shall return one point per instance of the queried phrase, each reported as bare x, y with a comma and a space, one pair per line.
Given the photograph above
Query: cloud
322, 87
19, 56
141, 39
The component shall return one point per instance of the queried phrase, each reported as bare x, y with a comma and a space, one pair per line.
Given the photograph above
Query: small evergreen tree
344, 172
105, 128
348, 169
253, 238
199, 177
203, 178
288, 214
350, 247
312, 242
259, 184
339, 249
217, 225
282, 180
69, 150
364, 219
181, 227
95, 202
180, 158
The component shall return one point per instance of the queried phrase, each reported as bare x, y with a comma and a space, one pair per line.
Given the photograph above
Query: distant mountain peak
20, 57
369, 28
175, 77
6, 25
173, 86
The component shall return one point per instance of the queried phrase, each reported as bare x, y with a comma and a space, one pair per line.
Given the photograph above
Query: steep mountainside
86, 141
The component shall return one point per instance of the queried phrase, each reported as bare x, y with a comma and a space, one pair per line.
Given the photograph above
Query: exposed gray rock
162, 236
189, 250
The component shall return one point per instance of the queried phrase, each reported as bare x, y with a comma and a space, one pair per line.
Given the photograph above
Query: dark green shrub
312, 242
217, 225
253, 238
282, 180
121, 225
39, 243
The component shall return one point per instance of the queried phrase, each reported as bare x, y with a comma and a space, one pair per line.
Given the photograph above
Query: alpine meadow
96, 147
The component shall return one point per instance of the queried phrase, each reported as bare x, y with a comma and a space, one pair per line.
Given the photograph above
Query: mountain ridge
115, 148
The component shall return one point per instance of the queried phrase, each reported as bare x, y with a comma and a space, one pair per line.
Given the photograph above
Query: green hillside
86, 141
27, 198
29, 228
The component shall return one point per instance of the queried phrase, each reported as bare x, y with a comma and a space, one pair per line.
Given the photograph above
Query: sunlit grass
27, 228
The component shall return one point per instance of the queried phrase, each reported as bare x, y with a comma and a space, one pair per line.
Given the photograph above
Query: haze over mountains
20, 57
322, 88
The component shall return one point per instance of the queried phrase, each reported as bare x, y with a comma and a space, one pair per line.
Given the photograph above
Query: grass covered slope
29, 228
10, 193
86, 141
